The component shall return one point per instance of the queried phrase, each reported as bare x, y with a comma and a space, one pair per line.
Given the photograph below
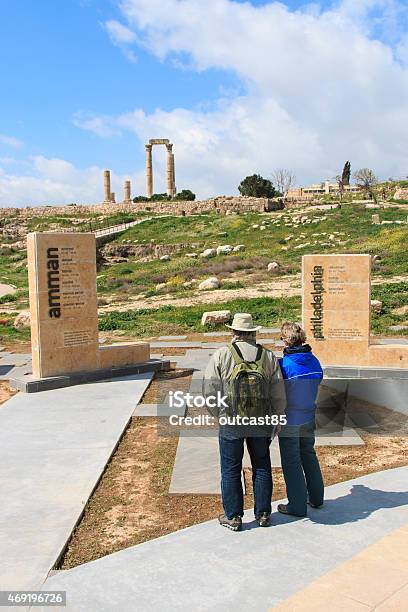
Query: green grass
170, 319
203, 231
393, 296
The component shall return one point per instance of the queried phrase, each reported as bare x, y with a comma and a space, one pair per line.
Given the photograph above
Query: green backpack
248, 388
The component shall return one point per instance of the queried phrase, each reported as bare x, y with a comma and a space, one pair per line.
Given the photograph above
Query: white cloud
121, 37
320, 88
55, 181
10, 141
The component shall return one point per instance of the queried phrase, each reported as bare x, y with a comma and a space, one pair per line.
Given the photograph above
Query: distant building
324, 188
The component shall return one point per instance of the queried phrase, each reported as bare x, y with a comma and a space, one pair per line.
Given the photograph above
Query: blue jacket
302, 373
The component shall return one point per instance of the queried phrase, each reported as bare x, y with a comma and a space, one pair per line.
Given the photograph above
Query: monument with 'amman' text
63, 306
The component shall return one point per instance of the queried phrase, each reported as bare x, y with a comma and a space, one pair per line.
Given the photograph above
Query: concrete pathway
14, 364
206, 567
374, 579
54, 447
196, 467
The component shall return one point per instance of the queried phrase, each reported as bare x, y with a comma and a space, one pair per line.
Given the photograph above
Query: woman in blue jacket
301, 470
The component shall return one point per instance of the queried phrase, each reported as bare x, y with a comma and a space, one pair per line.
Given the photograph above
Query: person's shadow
356, 505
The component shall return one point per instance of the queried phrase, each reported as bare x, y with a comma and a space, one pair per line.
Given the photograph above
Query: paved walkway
54, 447
206, 567
374, 579
196, 467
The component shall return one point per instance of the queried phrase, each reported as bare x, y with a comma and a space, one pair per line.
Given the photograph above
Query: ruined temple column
173, 175
126, 193
149, 171
169, 173
112, 197
106, 186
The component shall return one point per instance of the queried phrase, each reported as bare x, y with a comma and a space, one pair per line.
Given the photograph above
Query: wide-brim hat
242, 321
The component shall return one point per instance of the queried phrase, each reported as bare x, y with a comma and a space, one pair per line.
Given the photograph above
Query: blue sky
86, 82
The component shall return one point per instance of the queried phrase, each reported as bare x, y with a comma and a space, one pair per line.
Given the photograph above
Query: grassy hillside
285, 237
345, 230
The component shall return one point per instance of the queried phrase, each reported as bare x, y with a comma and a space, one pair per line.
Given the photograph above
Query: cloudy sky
239, 87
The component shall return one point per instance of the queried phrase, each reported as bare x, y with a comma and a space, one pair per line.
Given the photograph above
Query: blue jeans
301, 469
231, 454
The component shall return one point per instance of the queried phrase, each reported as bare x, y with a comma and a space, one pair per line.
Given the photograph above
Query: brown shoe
283, 509
264, 519
235, 524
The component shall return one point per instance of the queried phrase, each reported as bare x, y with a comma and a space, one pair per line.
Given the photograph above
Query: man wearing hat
245, 352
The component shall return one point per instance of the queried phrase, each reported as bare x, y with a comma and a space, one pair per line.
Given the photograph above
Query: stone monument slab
63, 304
336, 299
336, 306
63, 307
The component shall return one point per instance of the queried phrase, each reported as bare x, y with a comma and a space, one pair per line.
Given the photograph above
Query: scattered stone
23, 319
255, 226
375, 219
225, 249
215, 316
238, 248
273, 266
189, 283
165, 258
402, 310
161, 286
376, 306
209, 283
398, 328
209, 253
193, 255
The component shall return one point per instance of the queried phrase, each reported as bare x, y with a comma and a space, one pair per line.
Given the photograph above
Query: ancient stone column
169, 173
126, 194
112, 197
173, 175
149, 171
106, 185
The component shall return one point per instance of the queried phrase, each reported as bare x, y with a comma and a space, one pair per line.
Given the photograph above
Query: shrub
257, 187
185, 194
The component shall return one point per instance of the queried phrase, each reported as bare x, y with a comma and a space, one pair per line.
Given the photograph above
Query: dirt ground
132, 505
5, 391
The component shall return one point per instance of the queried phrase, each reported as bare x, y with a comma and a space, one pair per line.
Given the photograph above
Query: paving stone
197, 465
175, 344
392, 341
356, 514
5, 371
173, 338
54, 447
217, 334
15, 359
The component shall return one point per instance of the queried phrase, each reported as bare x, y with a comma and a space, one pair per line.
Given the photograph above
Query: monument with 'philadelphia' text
336, 307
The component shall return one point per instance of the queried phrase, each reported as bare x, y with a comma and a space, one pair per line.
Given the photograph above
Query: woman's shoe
314, 505
283, 508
